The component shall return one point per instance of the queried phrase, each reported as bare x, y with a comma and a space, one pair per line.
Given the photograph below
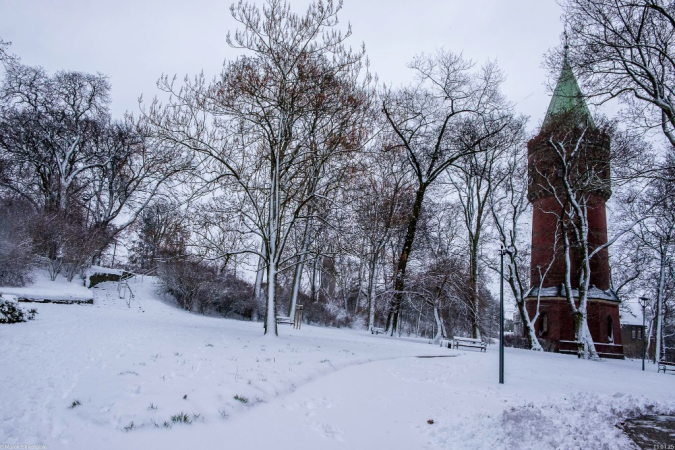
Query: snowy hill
109, 376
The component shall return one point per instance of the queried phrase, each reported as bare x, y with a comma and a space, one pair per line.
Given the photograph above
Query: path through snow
134, 368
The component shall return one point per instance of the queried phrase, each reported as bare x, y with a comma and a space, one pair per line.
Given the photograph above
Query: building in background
632, 334
555, 326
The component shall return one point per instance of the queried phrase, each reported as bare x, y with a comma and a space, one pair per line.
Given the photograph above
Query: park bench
295, 321
469, 342
377, 331
284, 320
447, 343
666, 365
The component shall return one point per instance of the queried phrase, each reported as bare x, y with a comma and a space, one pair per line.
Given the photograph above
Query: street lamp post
501, 316
643, 302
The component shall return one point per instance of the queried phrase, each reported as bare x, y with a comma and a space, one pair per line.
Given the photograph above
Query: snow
633, 316
594, 293
310, 388
44, 288
99, 269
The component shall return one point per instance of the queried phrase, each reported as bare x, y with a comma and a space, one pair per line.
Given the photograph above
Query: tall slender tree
429, 120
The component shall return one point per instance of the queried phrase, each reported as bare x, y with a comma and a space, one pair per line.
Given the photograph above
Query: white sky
135, 41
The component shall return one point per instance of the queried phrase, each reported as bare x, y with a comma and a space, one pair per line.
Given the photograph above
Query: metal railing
122, 288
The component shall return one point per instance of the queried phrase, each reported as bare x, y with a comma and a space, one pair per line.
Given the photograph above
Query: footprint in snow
329, 431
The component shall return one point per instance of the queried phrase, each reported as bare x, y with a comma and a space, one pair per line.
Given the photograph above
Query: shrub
190, 282
511, 340
181, 417
197, 286
12, 312
16, 245
65, 243
327, 314
241, 398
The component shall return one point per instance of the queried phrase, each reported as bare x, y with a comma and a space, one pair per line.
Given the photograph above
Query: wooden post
297, 319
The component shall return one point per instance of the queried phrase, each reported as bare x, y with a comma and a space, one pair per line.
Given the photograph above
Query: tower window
633, 333
610, 329
543, 324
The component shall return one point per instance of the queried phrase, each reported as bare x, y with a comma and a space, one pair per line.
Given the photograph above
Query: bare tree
61, 151
508, 205
657, 236
47, 131
249, 128
626, 49
380, 199
133, 168
440, 282
429, 120
162, 235
474, 178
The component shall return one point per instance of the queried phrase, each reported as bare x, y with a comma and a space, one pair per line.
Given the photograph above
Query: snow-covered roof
559, 291
632, 315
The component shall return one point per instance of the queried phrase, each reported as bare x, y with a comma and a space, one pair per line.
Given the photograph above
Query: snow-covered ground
58, 290
106, 376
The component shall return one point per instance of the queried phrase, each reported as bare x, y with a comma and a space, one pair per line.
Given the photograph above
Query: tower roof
567, 98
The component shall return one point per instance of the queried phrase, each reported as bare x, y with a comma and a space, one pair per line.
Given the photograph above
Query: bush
16, 246
511, 340
190, 282
199, 287
234, 298
327, 314
12, 312
64, 242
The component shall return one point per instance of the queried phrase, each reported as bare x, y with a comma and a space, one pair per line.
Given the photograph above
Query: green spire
567, 97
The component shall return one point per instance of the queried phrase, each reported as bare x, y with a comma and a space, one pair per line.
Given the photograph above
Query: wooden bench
469, 342
666, 366
447, 343
377, 331
284, 320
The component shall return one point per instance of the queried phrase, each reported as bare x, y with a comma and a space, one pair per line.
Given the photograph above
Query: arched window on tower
610, 329
543, 324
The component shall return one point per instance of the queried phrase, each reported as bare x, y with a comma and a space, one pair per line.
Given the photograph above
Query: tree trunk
313, 282
473, 285
528, 328
399, 277
257, 289
297, 279
583, 334
372, 271
659, 307
272, 248
270, 309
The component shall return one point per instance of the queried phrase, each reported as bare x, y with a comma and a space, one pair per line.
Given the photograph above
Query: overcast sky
135, 41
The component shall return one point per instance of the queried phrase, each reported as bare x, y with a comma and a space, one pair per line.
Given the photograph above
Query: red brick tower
555, 323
